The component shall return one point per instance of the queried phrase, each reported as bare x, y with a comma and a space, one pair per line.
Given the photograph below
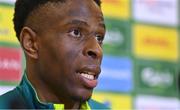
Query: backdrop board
149, 102
10, 64
116, 75
116, 8
118, 37
115, 101
162, 12
156, 43
7, 33
156, 77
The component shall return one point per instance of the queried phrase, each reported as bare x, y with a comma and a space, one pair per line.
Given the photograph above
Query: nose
93, 49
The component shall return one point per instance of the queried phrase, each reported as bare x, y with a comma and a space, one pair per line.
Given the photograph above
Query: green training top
25, 96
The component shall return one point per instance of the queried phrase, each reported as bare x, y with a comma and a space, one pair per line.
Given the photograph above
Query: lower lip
89, 83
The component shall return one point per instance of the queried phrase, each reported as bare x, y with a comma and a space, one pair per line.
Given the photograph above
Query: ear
29, 42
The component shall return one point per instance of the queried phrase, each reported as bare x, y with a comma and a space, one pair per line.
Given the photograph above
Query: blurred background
141, 64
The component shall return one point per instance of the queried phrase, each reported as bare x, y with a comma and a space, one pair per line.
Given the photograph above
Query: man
62, 42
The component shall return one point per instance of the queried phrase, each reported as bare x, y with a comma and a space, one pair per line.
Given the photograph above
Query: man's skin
61, 41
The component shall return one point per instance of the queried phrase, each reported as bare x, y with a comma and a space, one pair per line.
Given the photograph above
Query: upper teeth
88, 76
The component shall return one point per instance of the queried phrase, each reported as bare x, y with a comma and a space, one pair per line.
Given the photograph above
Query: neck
45, 94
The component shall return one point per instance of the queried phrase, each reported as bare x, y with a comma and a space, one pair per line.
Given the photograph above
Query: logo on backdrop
10, 64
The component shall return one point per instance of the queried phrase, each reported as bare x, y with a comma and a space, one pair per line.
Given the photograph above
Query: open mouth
88, 75
88, 78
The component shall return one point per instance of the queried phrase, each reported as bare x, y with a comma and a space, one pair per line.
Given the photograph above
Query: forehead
51, 13
86, 8
83, 7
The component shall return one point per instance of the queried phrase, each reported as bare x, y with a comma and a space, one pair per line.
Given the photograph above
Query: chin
83, 95
86, 98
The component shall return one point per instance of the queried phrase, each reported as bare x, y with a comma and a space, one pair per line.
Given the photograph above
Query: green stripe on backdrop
7, 44
6, 4
5, 83
155, 78
118, 37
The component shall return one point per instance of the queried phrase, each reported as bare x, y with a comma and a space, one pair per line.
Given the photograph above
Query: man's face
70, 51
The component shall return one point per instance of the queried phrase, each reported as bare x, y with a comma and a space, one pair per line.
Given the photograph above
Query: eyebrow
78, 22
81, 22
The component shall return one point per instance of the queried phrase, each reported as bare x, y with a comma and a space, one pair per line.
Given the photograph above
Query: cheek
71, 56
59, 61
68, 54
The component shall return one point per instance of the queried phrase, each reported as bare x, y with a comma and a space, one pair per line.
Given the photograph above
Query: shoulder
97, 105
11, 99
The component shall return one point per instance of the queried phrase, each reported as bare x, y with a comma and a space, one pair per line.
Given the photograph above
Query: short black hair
23, 8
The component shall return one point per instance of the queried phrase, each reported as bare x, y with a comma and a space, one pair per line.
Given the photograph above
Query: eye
99, 38
75, 33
